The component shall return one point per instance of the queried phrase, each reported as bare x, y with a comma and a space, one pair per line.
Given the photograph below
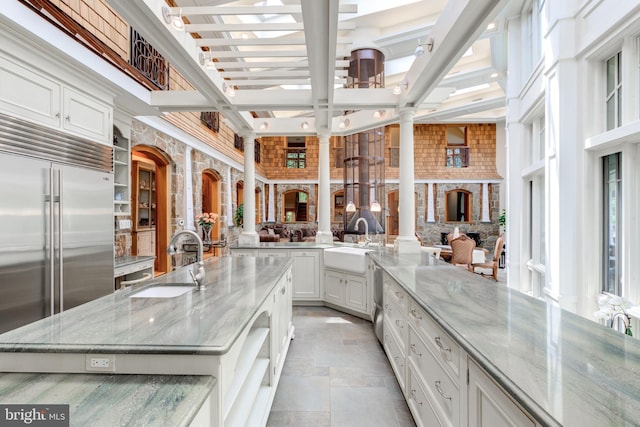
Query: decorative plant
612, 307
238, 216
502, 219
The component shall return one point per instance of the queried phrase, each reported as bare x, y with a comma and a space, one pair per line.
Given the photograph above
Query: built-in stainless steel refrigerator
56, 222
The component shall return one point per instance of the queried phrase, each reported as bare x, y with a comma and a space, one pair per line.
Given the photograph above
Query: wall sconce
404, 84
344, 123
420, 49
228, 89
264, 126
304, 125
351, 207
379, 113
171, 18
208, 63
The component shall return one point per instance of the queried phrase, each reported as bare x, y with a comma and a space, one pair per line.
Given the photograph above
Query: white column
406, 240
249, 236
324, 234
188, 191
485, 202
272, 205
229, 210
431, 209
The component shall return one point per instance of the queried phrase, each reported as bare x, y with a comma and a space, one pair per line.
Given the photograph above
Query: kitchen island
237, 330
558, 368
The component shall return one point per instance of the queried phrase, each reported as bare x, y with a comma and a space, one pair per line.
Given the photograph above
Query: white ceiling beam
251, 10
256, 53
258, 74
258, 26
251, 42
456, 29
261, 64
461, 110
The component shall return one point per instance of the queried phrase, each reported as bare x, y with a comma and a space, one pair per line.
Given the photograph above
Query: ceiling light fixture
419, 50
491, 26
404, 84
304, 125
171, 18
264, 126
379, 113
228, 89
344, 123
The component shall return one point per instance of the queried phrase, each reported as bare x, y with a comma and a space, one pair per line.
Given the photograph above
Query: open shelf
260, 409
255, 340
245, 403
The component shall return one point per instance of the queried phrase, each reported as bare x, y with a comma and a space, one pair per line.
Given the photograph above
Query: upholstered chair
492, 264
462, 251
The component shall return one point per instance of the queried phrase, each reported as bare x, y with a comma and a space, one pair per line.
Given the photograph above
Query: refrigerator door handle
52, 270
60, 239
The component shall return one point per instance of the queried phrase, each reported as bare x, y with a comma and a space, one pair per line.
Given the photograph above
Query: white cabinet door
334, 287
306, 275
86, 116
356, 292
489, 406
29, 95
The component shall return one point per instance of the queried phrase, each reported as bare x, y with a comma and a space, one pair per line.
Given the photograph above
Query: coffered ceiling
278, 67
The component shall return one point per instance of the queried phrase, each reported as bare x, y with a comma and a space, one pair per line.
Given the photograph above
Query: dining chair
450, 237
492, 264
462, 251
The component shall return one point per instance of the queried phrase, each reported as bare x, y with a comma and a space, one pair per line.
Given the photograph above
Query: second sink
347, 258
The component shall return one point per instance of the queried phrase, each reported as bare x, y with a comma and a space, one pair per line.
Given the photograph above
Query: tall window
612, 197
614, 91
394, 149
458, 206
457, 150
532, 38
296, 153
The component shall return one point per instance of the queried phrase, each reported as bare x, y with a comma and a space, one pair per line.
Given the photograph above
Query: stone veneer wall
310, 189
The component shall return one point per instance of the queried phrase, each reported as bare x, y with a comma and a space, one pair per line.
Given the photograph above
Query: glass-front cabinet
144, 207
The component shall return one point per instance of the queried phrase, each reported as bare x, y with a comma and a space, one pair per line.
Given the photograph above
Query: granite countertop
198, 322
112, 400
562, 368
122, 261
283, 245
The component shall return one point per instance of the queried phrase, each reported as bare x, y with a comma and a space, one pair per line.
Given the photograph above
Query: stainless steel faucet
367, 239
198, 278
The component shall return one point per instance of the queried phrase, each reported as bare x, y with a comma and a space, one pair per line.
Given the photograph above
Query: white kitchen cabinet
347, 290
306, 275
43, 99
306, 269
489, 405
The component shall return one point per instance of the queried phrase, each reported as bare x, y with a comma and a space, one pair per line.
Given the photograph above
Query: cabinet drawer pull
414, 313
413, 396
413, 348
438, 341
283, 290
67, 118
399, 323
439, 389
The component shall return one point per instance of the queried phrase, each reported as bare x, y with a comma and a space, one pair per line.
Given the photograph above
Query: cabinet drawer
396, 356
441, 389
421, 409
393, 292
445, 349
395, 323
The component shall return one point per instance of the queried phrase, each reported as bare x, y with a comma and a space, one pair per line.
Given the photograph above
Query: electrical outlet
100, 362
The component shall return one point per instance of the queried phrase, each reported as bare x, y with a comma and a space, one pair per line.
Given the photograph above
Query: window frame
468, 206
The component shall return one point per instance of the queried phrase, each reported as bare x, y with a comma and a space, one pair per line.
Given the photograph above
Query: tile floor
336, 374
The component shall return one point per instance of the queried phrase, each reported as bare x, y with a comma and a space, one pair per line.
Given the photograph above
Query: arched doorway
295, 205
157, 162
211, 191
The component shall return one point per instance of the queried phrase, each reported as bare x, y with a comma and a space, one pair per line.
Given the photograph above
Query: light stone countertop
562, 368
199, 322
122, 261
112, 400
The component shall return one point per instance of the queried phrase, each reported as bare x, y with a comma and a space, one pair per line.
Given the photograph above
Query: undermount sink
347, 258
165, 291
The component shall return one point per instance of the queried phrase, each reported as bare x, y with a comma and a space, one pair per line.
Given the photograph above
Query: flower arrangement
612, 307
207, 219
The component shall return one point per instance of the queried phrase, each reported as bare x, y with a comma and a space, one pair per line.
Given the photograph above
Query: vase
206, 234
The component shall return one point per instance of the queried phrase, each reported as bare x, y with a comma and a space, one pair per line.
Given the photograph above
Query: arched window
457, 207
295, 206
